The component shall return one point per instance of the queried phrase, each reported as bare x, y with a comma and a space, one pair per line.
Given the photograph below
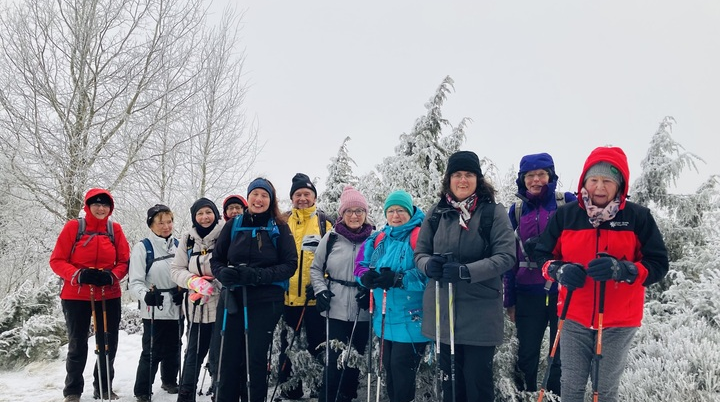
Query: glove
387, 279
570, 275
154, 298
177, 297
434, 267
362, 297
202, 285
229, 277
454, 272
323, 300
529, 246
198, 299
248, 276
607, 267
368, 279
89, 276
105, 278
309, 292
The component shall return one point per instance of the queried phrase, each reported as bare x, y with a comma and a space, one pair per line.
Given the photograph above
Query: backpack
559, 200
487, 216
322, 222
150, 254
82, 226
413, 237
273, 232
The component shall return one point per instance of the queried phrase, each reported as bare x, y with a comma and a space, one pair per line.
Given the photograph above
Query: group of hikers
436, 279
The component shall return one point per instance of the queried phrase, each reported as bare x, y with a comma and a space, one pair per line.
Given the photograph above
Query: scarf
358, 236
465, 208
599, 215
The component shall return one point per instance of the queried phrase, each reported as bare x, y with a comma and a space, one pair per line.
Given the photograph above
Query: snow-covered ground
43, 382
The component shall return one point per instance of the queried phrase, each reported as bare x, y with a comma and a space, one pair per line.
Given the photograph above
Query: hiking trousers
532, 317
473, 373
401, 361
165, 350
78, 316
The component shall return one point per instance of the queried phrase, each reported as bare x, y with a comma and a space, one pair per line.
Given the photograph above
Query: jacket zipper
595, 285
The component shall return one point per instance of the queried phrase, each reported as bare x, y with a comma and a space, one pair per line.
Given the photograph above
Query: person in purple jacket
530, 301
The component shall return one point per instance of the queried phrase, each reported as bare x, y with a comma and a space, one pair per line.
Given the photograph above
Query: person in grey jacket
339, 297
191, 270
159, 305
451, 248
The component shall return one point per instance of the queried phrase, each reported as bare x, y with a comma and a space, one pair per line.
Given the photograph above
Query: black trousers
341, 331
78, 317
197, 348
532, 317
314, 325
473, 373
232, 377
165, 349
401, 361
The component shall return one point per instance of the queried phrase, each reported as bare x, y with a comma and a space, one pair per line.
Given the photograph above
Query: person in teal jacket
385, 264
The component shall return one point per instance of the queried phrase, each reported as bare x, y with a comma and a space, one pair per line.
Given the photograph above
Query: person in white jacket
159, 302
191, 270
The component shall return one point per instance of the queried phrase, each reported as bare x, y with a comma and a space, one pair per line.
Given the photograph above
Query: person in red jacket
91, 267
601, 241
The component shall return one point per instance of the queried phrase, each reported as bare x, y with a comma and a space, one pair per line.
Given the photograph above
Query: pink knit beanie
351, 198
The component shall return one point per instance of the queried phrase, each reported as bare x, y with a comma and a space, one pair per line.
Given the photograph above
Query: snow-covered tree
421, 157
340, 174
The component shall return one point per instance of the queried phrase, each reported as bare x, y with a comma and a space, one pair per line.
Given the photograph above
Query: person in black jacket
254, 257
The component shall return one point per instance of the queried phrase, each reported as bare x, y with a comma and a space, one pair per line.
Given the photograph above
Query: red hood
614, 156
92, 193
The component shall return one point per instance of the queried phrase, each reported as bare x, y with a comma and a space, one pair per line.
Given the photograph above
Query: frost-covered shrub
131, 321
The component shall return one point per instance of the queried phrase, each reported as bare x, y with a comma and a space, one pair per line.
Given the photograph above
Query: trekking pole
196, 369
189, 333
551, 357
97, 345
247, 345
202, 383
106, 337
382, 344
438, 372
451, 319
290, 345
347, 354
268, 371
152, 345
222, 342
598, 344
181, 327
371, 310
327, 352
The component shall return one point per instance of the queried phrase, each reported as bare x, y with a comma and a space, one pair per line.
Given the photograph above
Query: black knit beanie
203, 202
466, 161
301, 181
154, 210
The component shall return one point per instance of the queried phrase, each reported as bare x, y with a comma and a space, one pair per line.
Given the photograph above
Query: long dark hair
484, 190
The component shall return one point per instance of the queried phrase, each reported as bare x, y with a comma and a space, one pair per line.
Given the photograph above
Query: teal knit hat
401, 198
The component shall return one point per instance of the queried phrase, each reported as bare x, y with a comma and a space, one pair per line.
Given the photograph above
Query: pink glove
201, 285
198, 299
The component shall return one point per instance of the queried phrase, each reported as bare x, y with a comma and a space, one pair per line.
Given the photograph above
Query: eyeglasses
542, 175
398, 211
465, 175
234, 207
356, 212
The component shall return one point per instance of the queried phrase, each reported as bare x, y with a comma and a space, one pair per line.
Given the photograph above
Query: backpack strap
273, 232
518, 212
559, 198
322, 222
332, 237
413, 237
82, 230
487, 217
150, 254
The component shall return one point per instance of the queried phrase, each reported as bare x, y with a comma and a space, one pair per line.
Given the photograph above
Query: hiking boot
142, 398
170, 388
113, 395
72, 398
186, 396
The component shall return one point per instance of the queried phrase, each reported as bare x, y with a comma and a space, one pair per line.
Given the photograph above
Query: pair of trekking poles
106, 338
598, 344
451, 322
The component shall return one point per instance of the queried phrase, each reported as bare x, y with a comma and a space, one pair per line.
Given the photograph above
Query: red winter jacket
632, 235
99, 252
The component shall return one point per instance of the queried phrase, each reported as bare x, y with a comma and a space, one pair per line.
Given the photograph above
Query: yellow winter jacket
306, 230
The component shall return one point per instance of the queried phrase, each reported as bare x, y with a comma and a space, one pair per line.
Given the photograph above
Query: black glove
248, 276
454, 272
154, 298
323, 300
368, 279
229, 277
178, 296
89, 276
362, 297
529, 246
608, 267
309, 292
387, 279
570, 275
105, 278
434, 267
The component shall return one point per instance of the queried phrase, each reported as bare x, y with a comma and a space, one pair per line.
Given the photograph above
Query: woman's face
205, 217
463, 184
397, 215
233, 210
535, 180
601, 190
354, 218
258, 201
162, 225
100, 210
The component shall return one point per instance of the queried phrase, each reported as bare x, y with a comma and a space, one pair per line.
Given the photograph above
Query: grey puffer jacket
478, 304
340, 266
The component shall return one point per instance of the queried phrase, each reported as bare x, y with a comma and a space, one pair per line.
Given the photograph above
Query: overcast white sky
535, 76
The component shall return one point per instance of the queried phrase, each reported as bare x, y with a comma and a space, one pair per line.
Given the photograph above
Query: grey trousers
577, 349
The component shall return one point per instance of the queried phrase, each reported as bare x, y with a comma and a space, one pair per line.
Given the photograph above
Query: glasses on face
397, 211
234, 208
99, 205
463, 175
532, 176
356, 212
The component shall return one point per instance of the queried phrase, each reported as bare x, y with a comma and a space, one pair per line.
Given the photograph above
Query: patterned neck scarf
464, 208
599, 215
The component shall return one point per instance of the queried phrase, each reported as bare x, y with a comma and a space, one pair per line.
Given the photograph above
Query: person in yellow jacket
308, 225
